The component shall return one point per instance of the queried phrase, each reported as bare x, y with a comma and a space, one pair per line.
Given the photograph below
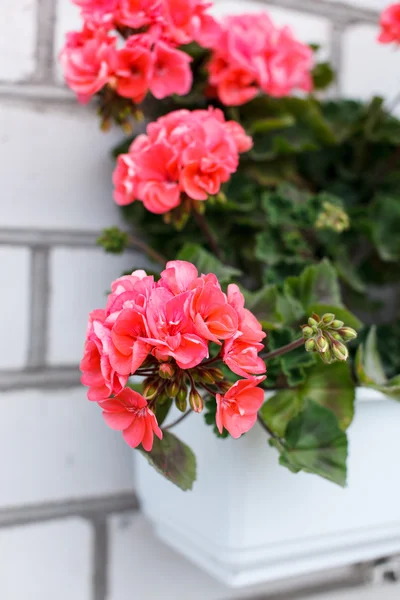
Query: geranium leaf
173, 459
207, 263
314, 443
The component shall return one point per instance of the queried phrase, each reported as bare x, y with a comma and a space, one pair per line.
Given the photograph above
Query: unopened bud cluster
332, 217
172, 382
328, 336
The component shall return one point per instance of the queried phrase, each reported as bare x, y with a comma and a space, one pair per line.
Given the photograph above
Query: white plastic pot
249, 520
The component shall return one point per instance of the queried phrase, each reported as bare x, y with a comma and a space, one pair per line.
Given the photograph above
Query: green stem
171, 425
284, 350
153, 254
271, 433
206, 231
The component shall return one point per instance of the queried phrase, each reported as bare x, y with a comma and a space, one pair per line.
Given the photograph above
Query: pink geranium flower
242, 357
183, 152
137, 13
97, 372
128, 412
390, 25
97, 9
171, 71
252, 55
88, 59
162, 330
237, 409
134, 68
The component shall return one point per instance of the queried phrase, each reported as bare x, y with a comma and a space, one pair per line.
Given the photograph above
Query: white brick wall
18, 39
57, 459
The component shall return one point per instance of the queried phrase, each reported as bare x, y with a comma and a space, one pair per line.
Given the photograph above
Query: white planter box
249, 520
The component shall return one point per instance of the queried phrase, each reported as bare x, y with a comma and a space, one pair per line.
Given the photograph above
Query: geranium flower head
88, 59
390, 25
165, 331
251, 55
183, 153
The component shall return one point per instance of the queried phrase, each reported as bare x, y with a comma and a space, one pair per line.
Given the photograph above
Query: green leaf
331, 386
280, 409
385, 220
314, 443
323, 75
270, 124
340, 313
162, 411
316, 284
372, 362
263, 304
207, 263
173, 459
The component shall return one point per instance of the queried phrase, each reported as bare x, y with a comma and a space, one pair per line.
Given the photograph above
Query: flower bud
340, 351
166, 370
217, 374
195, 400
310, 345
337, 324
337, 336
328, 318
150, 389
347, 333
307, 331
181, 399
206, 377
327, 356
312, 322
322, 344
172, 389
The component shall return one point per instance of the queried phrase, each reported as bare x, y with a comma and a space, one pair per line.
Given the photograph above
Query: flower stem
284, 350
271, 433
171, 425
206, 231
153, 254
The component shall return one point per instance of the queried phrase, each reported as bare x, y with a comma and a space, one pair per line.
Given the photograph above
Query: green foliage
308, 224
207, 263
370, 371
173, 459
314, 443
114, 240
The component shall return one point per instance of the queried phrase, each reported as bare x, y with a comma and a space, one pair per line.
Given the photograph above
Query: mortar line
100, 556
38, 306
46, 378
87, 508
45, 32
337, 30
329, 10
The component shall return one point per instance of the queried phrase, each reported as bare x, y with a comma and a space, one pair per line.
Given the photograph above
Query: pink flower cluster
148, 59
174, 320
390, 25
252, 54
183, 152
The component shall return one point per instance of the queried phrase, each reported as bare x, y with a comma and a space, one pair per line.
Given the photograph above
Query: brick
17, 40
361, 50
14, 273
46, 561
308, 28
80, 281
68, 19
56, 169
55, 445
